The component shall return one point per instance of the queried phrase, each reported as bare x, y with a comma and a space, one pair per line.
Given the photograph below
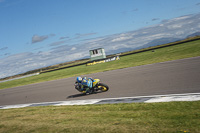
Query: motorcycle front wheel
103, 87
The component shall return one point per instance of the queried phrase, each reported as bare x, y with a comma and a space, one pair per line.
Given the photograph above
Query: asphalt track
172, 77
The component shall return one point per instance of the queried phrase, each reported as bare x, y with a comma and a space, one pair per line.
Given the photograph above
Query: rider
84, 83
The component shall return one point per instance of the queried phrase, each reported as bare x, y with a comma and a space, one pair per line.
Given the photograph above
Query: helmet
79, 79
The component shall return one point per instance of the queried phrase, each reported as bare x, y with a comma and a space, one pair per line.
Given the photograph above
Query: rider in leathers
84, 84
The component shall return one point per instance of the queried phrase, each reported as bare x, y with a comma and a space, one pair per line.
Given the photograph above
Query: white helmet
79, 79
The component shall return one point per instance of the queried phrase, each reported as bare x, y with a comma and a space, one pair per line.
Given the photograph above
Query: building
97, 54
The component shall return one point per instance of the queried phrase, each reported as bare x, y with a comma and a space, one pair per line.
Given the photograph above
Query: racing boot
87, 90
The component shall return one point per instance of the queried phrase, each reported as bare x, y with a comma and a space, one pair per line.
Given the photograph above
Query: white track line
146, 99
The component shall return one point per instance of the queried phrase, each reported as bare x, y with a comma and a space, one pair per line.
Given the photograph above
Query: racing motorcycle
97, 87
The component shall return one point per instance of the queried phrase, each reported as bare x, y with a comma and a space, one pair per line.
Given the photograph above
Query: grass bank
179, 117
180, 51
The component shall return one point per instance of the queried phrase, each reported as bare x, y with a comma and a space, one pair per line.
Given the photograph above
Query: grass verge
180, 51
176, 117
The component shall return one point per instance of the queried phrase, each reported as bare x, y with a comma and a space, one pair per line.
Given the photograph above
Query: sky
39, 33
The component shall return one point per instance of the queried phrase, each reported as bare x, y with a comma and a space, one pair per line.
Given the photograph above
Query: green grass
185, 50
177, 117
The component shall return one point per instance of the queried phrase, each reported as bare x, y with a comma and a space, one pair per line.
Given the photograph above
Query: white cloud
181, 18
64, 37
190, 22
115, 47
121, 39
155, 36
78, 35
179, 33
73, 48
174, 26
36, 38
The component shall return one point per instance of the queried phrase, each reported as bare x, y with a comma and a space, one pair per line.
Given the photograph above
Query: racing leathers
85, 84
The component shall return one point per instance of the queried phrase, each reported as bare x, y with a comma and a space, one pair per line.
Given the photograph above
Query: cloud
57, 43
4, 48
174, 26
73, 48
64, 37
181, 18
133, 10
78, 35
6, 54
198, 4
37, 38
20, 63
155, 19
121, 38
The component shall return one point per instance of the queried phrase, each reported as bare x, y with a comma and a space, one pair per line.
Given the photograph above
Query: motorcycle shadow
81, 95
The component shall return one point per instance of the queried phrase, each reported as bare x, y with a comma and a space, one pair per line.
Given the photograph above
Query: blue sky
38, 27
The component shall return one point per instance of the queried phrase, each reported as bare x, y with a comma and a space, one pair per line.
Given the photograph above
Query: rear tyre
103, 87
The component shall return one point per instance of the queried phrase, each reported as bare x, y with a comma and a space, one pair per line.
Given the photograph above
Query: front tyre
103, 87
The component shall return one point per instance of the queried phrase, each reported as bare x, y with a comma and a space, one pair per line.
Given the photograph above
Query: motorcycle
97, 87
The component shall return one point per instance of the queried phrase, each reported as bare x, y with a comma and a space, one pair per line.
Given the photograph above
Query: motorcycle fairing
95, 81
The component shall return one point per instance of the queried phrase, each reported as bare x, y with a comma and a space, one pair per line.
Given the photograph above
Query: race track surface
173, 77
